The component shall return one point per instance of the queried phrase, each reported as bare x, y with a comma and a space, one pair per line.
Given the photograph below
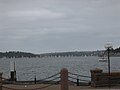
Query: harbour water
28, 68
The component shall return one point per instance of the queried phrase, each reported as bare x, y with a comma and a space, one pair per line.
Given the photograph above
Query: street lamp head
108, 45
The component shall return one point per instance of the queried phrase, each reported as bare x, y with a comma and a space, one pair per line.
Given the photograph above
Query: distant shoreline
18, 54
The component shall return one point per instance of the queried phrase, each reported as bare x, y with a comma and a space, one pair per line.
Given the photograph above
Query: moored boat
103, 59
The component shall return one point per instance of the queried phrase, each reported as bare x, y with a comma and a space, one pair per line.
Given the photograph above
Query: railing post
35, 79
77, 80
64, 79
0, 81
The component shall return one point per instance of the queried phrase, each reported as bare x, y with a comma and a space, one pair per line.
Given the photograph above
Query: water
27, 68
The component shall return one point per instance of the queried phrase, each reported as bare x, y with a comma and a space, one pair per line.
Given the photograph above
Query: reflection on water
27, 68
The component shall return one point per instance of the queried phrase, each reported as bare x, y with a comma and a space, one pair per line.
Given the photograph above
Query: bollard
0, 81
64, 79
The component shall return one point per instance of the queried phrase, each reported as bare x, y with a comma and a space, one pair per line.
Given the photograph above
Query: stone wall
100, 78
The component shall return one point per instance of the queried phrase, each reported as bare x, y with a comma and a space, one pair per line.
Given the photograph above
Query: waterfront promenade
62, 83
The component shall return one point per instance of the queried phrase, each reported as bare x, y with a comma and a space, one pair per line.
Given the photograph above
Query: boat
103, 59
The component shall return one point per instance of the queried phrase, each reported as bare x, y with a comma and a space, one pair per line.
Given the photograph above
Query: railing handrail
79, 75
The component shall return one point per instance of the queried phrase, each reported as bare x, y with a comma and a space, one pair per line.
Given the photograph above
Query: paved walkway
54, 87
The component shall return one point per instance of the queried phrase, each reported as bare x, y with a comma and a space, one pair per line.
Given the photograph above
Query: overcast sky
41, 26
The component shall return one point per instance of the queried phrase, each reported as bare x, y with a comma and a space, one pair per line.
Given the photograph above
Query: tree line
16, 54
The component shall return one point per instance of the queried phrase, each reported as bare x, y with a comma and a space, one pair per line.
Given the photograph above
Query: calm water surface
27, 68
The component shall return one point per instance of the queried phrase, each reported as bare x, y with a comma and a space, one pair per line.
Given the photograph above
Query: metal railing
52, 81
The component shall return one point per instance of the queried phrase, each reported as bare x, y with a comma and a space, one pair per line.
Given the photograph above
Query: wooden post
64, 79
0, 81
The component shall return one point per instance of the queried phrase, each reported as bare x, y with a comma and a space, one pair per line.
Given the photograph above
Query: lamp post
108, 46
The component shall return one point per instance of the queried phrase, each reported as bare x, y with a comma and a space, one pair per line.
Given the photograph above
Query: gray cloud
58, 25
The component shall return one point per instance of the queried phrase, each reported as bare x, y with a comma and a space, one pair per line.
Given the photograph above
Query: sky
43, 26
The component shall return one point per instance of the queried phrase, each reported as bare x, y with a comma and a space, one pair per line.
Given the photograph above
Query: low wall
100, 78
